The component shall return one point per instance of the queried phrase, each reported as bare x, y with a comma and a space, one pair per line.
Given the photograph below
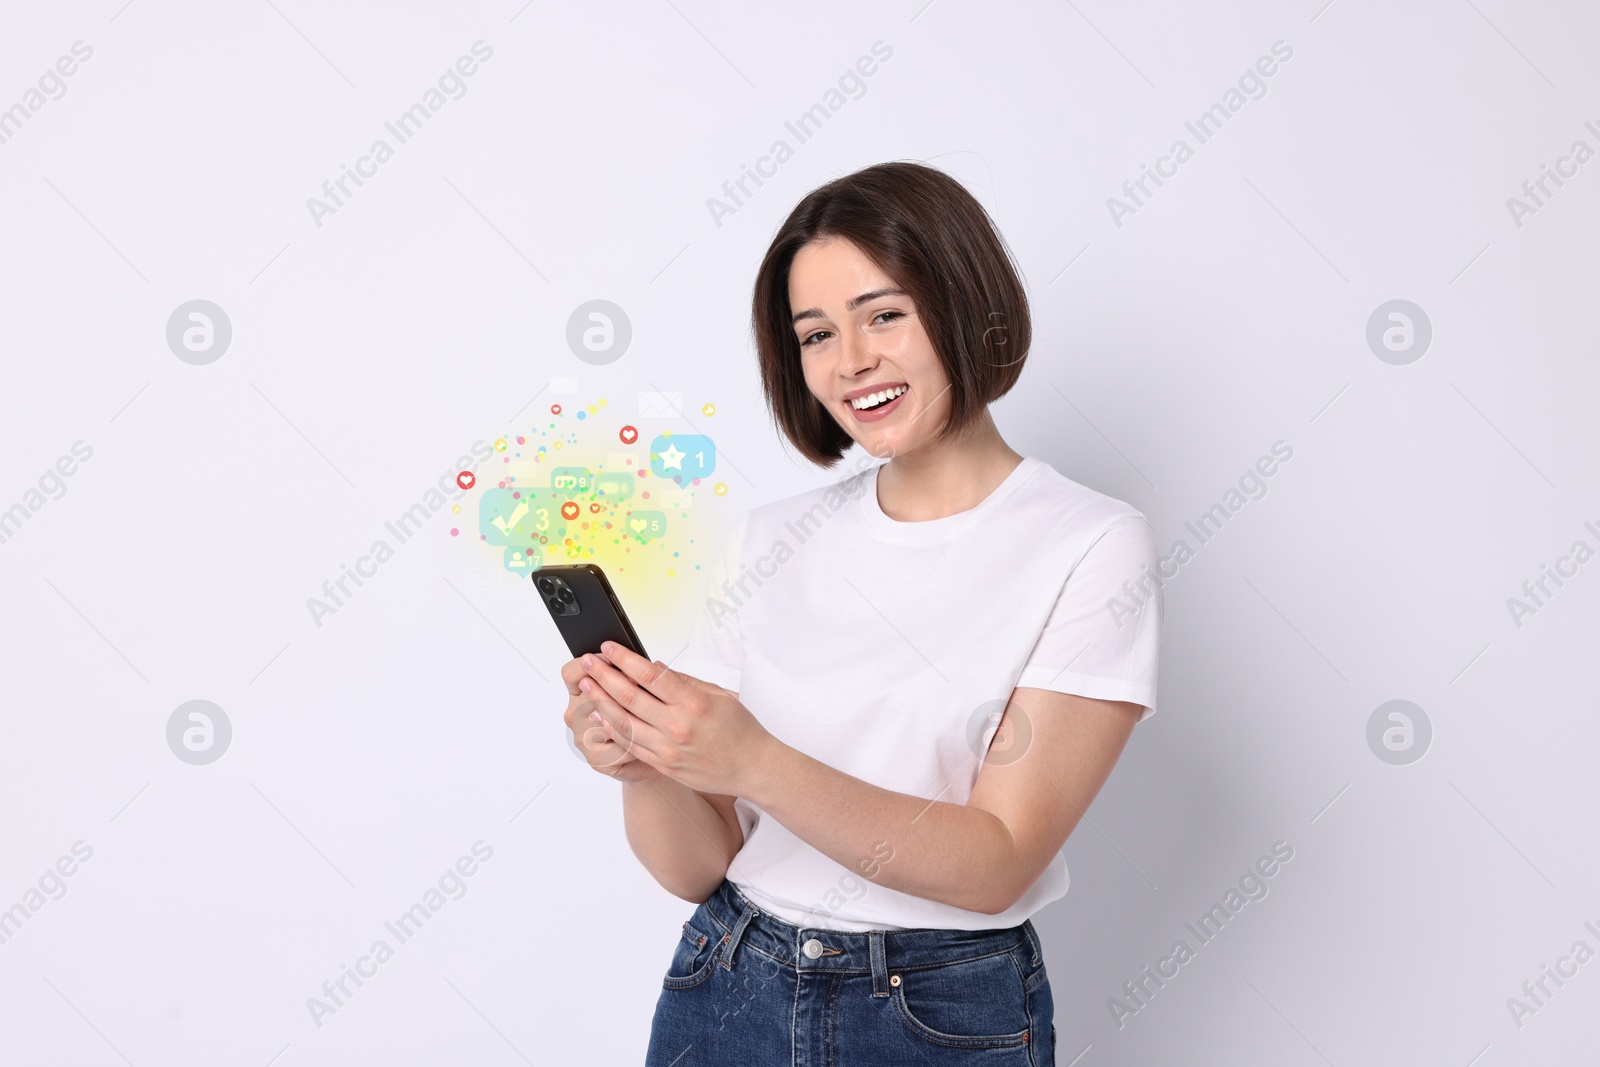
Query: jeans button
812, 948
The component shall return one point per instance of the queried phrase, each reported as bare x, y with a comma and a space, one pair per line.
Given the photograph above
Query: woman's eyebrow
813, 313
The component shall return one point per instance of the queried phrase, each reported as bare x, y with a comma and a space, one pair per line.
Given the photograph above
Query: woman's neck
948, 476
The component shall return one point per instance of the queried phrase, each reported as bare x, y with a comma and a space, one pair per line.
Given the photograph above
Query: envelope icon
660, 405
485, 577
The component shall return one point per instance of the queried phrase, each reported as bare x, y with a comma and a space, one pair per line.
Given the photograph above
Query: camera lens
546, 586
566, 594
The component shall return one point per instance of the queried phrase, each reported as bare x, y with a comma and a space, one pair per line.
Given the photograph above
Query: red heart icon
569, 510
628, 435
466, 480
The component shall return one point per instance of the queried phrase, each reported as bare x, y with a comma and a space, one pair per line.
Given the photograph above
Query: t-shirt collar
934, 531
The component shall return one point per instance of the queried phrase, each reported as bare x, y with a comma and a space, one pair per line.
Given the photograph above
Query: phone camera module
559, 596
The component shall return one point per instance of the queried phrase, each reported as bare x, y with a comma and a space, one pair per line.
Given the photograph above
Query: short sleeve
715, 652
1103, 636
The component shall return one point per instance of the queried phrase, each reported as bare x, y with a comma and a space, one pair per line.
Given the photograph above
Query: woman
906, 687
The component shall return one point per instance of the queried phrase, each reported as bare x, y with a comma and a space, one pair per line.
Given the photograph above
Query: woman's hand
693, 732
603, 754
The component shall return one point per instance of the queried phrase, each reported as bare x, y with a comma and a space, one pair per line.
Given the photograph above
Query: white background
1170, 353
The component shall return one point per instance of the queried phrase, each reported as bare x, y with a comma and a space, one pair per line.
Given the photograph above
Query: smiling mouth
878, 399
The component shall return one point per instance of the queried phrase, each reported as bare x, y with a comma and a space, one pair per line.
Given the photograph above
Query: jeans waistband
744, 926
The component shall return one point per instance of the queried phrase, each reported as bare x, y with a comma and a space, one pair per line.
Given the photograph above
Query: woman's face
860, 336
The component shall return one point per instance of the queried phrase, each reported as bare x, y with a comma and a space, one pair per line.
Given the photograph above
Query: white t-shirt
888, 649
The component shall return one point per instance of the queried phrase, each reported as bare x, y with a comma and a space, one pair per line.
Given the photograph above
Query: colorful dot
721, 488
601, 401
500, 444
708, 410
583, 415
456, 508
454, 531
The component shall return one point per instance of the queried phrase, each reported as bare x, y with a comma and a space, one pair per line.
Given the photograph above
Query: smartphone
585, 609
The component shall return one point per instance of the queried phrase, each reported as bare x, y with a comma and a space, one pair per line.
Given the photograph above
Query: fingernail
595, 715
585, 685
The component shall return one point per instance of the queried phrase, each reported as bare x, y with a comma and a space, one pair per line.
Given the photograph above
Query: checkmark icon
506, 525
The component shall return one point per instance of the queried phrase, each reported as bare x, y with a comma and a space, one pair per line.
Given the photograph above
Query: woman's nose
855, 354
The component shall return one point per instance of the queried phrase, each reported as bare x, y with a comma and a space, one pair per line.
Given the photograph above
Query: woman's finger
596, 746
620, 726
622, 691
653, 676
571, 671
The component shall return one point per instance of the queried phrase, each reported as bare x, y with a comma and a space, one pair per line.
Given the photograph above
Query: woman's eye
882, 316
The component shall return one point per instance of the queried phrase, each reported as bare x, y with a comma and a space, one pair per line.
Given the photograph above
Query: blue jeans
746, 989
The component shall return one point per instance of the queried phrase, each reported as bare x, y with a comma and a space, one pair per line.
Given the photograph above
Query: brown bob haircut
926, 232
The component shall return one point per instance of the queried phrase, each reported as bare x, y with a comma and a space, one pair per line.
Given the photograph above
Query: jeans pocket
692, 959
967, 1004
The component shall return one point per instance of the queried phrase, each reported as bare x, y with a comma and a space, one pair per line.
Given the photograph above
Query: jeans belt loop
737, 933
1033, 939
880, 965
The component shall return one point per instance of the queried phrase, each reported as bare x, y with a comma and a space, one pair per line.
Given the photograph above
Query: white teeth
872, 400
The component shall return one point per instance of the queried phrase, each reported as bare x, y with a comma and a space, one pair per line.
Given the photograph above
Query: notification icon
466, 480
628, 435
569, 510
